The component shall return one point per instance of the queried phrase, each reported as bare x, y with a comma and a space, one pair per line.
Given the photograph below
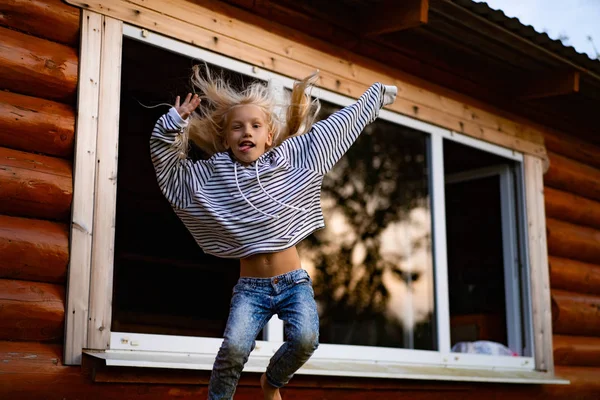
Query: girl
255, 199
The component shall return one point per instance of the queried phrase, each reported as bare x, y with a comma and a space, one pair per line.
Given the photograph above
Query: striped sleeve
328, 140
178, 178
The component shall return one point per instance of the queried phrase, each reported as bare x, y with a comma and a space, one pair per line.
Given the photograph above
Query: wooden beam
393, 16
33, 185
543, 85
105, 210
36, 125
37, 67
84, 172
538, 263
31, 310
50, 19
33, 249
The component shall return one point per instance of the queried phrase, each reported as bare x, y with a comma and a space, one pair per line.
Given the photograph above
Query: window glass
372, 264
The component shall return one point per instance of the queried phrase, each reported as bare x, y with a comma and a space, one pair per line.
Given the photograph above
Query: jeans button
276, 281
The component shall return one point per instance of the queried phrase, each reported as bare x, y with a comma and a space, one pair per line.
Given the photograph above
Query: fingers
189, 104
195, 101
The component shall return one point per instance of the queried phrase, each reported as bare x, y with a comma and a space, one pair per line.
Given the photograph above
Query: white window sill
331, 368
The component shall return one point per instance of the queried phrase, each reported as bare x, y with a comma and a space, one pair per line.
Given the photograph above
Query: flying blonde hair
208, 123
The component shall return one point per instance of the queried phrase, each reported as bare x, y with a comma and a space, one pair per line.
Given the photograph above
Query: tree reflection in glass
372, 264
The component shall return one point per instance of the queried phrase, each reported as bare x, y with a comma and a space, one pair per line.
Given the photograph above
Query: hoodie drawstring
264, 191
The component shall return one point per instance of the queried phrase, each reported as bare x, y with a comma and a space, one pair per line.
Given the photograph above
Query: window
162, 280
372, 264
424, 245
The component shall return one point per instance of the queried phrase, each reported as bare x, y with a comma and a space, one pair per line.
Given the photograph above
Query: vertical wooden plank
84, 171
538, 261
101, 282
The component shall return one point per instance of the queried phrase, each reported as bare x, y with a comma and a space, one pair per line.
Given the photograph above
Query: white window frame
366, 360
274, 330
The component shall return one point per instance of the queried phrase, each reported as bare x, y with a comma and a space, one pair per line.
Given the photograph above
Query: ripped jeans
254, 302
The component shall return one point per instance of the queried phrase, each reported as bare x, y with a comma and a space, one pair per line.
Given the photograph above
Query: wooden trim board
101, 279
201, 26
538, 261
89, 295
84, 172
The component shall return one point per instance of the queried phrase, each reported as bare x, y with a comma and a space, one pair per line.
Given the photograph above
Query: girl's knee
236, 350
307, 342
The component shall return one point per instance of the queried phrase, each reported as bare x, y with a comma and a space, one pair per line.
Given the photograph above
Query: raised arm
178, 178
328, 140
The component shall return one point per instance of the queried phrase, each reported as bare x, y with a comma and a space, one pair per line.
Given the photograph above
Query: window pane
163, 282
372, 264
477, 264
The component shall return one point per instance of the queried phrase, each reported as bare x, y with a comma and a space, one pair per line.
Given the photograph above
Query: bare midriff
267, 265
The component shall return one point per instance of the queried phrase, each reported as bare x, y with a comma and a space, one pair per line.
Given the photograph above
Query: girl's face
247, 133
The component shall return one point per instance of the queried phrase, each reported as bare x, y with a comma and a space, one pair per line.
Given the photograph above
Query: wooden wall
572, 200
38, 78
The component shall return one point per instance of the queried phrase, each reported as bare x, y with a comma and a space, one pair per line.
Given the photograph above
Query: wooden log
37, 67
31, 310
69, 383
573, 148
569, 207
36, 125
572, 176
35, 371
33, 356
573, 241
574, 276
575, 314
33, 185
584, 385
576, 350
33, 250
50, 19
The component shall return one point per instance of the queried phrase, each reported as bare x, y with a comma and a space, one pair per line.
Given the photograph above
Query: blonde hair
209, 122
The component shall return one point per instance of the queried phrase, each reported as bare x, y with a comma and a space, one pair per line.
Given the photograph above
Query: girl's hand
184, 110
389, 94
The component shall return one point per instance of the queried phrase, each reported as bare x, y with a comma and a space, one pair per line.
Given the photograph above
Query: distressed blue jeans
254, 302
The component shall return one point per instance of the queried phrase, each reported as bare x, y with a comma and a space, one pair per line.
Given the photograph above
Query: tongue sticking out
245, 148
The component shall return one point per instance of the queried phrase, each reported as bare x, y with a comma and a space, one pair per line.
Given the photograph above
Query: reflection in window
372, 264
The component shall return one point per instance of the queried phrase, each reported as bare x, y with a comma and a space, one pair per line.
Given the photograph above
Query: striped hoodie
234, 210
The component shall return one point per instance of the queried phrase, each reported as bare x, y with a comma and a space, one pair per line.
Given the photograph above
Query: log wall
38, 77
572, 200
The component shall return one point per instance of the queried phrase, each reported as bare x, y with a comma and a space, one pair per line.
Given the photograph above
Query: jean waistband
279, 282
